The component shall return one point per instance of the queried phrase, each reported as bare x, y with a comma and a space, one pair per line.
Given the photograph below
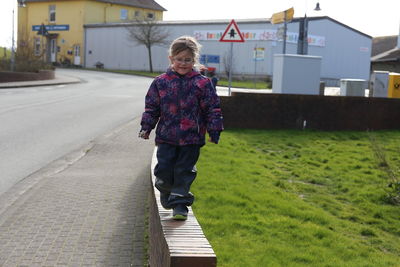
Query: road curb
59, 80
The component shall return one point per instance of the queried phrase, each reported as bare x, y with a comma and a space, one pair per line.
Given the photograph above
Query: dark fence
284, 111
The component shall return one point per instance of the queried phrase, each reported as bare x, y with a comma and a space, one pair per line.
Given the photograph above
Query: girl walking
184, 105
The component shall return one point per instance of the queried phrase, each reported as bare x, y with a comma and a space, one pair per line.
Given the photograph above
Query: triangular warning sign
232, 34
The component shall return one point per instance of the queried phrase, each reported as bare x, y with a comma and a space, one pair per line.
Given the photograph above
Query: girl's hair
185, 43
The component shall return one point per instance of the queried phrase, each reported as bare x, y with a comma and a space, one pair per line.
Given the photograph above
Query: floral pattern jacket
183, 108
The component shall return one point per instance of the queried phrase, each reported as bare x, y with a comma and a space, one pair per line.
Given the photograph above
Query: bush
26, 60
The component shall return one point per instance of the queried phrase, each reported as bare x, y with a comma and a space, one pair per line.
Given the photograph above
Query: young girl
184, 105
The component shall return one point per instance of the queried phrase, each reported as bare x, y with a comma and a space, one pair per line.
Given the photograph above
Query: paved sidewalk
86, 209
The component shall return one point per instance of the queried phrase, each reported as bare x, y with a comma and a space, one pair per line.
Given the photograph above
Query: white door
53, 50
77, 55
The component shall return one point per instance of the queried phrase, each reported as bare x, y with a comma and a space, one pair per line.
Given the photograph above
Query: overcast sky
372, 17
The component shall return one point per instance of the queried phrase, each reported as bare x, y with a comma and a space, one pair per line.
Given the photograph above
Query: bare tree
148, 33
228, 66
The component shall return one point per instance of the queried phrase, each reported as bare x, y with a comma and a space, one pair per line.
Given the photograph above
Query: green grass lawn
300, 198
246, 84
130, 72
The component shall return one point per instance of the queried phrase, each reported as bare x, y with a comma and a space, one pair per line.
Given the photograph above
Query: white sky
372, 17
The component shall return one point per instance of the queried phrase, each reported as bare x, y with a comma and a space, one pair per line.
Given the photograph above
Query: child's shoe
164, 201
180, 212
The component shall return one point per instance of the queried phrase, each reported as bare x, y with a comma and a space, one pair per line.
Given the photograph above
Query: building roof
383, 44
150, 4
335, 21
388, 56
226, 22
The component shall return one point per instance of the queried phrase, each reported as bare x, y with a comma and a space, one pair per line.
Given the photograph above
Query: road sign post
230, 70
232, 34
284, 17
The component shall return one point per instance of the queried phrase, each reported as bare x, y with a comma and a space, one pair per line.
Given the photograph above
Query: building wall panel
345, 52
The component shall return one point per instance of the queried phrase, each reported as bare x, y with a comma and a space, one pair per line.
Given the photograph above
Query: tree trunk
150, 60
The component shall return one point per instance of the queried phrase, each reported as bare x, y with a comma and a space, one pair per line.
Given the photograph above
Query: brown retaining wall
9, 76
284, 111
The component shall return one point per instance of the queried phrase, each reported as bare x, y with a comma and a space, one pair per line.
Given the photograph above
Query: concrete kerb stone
59, 80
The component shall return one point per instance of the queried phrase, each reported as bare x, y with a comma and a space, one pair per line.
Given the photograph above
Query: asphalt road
41, 124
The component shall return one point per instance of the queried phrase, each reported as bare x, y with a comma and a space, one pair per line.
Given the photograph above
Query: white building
345, 51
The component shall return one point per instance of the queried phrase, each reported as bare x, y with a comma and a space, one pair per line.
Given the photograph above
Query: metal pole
255, 65
230, 70
12, 65
284, 33
300, 42
305, 40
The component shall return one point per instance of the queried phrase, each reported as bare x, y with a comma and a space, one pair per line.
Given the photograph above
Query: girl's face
183, 62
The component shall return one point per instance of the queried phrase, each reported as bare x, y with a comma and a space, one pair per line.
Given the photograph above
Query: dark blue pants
175, 172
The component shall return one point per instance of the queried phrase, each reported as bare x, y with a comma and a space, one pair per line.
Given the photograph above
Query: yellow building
53, 29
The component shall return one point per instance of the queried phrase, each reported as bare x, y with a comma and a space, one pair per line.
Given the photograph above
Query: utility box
394, 85
380, 80
296, 74
352, 87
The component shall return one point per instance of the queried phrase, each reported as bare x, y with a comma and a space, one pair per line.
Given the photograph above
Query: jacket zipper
178, 104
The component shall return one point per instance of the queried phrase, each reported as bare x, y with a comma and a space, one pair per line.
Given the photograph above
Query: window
124, 14
36, 45
52, 13
150, 16
137, 14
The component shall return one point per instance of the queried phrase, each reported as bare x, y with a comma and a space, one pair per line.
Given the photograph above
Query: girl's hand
214, 137
144, 134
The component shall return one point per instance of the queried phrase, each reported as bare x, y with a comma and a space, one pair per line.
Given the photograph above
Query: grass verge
130, 72
300, 198
221, 82
246, 84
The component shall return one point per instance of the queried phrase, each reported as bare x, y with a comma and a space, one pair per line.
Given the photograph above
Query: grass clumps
299, 198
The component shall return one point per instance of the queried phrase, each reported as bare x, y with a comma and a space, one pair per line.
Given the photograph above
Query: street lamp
317, 8
302, 42
12, 65
21, 3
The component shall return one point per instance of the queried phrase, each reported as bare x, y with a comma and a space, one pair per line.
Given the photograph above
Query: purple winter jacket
185, 107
